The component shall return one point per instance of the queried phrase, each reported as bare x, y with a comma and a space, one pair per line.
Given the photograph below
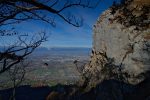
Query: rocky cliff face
121, 46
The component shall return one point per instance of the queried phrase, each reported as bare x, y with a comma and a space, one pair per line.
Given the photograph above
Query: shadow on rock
106, 90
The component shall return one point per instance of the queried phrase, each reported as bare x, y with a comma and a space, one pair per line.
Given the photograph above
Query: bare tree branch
12, 53
32, 6
16, 11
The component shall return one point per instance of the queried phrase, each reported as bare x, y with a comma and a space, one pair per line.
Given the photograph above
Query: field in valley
51, 67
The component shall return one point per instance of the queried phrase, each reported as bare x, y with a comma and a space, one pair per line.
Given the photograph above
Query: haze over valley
51, 66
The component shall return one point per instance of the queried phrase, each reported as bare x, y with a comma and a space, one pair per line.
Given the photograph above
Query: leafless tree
18, 52
16, 11
12, 59
80, 67
22, 10
17, 74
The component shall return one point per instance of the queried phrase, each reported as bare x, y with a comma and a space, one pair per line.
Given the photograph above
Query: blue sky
64, 34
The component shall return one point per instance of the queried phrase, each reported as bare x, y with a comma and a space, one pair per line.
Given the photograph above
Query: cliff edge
121, 44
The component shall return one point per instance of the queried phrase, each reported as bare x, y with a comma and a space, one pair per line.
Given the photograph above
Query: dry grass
145, 2
53, 96
147, 36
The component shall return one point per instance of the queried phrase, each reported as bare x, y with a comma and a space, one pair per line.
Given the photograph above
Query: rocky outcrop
121, 46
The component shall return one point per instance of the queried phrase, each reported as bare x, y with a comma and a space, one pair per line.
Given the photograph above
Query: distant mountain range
58, 50
63, 50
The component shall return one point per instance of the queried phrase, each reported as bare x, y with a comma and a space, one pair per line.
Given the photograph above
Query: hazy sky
64, 34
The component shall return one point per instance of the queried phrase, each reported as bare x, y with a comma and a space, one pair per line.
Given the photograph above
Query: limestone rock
129, 48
